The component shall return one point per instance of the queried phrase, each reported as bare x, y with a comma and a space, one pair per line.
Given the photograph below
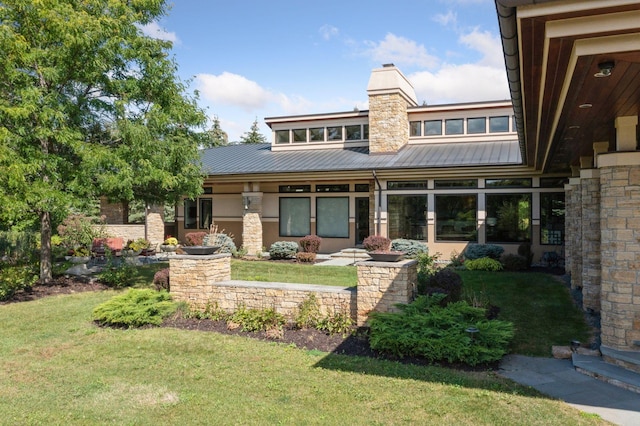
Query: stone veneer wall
573, 234
382, 285
252, 223
620, 251
388, 123
591, 266
202, 280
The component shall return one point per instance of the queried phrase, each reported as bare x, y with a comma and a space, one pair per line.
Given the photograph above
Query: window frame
281, 216
320, 217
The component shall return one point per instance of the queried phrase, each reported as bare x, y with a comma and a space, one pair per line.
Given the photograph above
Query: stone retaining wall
206, 280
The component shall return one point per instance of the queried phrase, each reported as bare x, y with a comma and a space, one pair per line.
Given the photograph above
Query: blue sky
254, 59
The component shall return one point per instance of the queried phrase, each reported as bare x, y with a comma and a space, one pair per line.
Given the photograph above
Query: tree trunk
46, 275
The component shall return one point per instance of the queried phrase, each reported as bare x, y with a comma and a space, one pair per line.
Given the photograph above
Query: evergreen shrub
283, 250
410, 248
483, 264
477, 251
135, 308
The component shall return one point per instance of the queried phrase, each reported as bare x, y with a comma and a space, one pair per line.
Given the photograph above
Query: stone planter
167, 248
79, 259
390, 256
200, 250
131, 253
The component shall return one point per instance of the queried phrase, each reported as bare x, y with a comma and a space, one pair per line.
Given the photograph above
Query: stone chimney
390, 93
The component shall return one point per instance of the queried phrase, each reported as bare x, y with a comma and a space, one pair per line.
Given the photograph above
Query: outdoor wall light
604, 69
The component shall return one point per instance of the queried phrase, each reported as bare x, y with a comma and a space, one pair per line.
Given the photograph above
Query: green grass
344, 276
57, 367
538, 304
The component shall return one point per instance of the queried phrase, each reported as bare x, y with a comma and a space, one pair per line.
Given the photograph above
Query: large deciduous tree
89, 105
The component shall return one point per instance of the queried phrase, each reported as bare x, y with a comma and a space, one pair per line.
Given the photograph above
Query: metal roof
258, 158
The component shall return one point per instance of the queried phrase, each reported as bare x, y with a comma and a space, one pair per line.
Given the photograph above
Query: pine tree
216, 136
253, 135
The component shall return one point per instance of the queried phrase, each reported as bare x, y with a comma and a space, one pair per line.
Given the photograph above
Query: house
447, 175
574, 74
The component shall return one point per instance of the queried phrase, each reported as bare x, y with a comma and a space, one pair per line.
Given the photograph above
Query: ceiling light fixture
604, 69
585, 106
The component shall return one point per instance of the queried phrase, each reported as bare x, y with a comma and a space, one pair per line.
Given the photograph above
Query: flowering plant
171, 241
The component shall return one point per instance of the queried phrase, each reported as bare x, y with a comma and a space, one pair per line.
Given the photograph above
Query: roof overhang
553, 51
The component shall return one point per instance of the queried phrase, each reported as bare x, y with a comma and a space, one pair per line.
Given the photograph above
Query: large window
499, 124
508, 218
332, 217
432, 127
407, 216
206, 210
299, 135
552, 218
190, 214
316, 134
334, 133
456, 217
295, 217
454, 126
477, 125
354, 133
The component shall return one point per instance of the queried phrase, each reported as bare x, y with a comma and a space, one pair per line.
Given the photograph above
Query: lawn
344, 276
57, 367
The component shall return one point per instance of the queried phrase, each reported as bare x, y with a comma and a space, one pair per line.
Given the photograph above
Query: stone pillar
591, 267
114, 213
620, 250
389, 95
382, 285
155, 224
252, 222
573, 231
191, 277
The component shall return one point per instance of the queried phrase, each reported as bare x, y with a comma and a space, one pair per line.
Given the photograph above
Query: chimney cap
389, 65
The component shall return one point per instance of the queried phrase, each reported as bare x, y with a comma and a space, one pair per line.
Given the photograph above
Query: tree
253, 135
89, 106
216, 136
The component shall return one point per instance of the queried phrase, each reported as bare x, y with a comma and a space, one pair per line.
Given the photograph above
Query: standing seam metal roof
259, 158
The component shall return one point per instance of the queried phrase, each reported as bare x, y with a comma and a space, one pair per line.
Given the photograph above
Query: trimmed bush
514, 262
483, 264
283, 250
117, 276
135, 308
376, 243
15, 278
304, 257
257, 319
477, 251
223, 241
445, 281
411, 248
310, 243
429, 330
161, 279
195, 238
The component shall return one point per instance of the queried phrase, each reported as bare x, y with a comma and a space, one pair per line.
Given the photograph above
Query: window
333, 188
295, 217
477, 125
362, 187
206, 210
432, 127
316, 134
508, 218
294, 188
508, 183
555, 182
332, 217
334, 133
552, 218
408, 184
300, 135
353, 132
407, 216
207, 190
453, 126
415, 128
190, 214
498, 124
282, 136
459, 183
456, 218
365, 131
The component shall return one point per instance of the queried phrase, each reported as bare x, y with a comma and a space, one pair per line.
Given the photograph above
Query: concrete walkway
559, 379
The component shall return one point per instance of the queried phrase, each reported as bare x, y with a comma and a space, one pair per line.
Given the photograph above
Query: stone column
573, 231
114, 213
620, 250
591, 267
252, 222
155, 224
382, 285
192, 277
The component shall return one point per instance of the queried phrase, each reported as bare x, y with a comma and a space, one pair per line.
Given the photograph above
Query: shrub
411, 248
19, 246
161, 279
15, 278
257, 319
308, 314
117, 276
135, 308
445, 281
223, 241
514, 262
195, 238
337, 323
524, 250
426, 268
240, 253
457, 259
477, 251
376, 243
310, 243
78, 230
283, 250
483, 264
304, 257
426, 329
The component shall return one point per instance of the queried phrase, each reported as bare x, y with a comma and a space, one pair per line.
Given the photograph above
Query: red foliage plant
195, 238
376, 243
310, 243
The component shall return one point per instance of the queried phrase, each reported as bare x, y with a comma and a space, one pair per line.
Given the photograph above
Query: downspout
379, 210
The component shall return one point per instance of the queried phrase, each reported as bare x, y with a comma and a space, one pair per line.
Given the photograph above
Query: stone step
595, 366
353, 253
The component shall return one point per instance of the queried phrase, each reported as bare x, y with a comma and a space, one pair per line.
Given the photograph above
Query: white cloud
451, 18
233, 89
400, 51
328, 32
154, 30
487, 44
